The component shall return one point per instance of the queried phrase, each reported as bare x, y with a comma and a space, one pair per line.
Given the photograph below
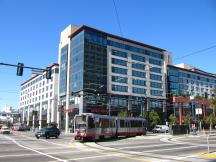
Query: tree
187, 119
53, 125
172, 119
199, 97
154, 118
213, 101
123, 113
211, 119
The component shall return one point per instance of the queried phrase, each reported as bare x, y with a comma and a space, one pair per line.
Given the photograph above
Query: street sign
198, 111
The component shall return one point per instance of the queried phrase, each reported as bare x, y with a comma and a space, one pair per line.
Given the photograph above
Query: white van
160, 129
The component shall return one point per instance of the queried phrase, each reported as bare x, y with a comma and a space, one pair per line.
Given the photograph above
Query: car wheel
47, 136
57, 136
37, 137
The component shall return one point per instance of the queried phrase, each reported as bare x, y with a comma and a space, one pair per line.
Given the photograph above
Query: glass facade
134, 49
181, 81
95, 62
63, 71
77, 62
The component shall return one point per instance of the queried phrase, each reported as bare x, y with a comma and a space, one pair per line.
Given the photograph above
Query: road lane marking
28, 148
58, 144
211, 156
18, 155
147, 146
170, 149
91, 157
123, 155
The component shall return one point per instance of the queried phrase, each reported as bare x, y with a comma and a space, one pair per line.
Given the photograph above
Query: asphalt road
24, 147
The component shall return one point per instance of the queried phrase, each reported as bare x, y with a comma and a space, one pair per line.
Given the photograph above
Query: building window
155, 62
50, 94
139, 82
138, 74
51, 86
119, 62
119, 70
138, 66
119, 79
119, 53
47, 88
155, 70
156, 93
137, 58
156, 77
155, 85
119, 88
139, 90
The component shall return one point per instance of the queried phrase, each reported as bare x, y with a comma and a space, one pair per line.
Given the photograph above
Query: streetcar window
112, 123
136, 123
91, 122
104, 123
122, 123
80, 123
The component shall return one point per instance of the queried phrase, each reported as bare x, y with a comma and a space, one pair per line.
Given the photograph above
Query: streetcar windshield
80, 122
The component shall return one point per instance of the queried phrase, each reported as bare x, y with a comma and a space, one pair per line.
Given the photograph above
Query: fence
211, 141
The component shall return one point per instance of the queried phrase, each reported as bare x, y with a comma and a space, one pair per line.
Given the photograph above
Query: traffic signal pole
20, 67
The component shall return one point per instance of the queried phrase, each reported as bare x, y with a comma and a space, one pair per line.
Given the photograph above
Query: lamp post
192, 106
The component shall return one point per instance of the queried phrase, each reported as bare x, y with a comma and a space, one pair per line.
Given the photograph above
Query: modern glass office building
104, 73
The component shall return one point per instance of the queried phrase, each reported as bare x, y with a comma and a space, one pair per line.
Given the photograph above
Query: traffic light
48, 72
20, 69
206, 95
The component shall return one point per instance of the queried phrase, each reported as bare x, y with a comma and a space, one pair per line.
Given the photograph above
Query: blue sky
30, 30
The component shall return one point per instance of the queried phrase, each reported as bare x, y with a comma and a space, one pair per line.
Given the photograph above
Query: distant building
39, 99
186, 80
8, 109
104, 73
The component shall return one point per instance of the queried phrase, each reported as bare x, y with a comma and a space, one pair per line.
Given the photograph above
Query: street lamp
192, 106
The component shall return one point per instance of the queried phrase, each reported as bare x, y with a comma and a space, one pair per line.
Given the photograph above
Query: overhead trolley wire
196, 52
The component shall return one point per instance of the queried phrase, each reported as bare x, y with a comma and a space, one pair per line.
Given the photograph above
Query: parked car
47, 133
5, 130
161, 129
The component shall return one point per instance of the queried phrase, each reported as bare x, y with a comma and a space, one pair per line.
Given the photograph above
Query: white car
161, 129
5, 130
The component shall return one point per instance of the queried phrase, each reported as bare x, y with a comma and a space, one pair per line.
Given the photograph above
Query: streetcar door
97, 128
